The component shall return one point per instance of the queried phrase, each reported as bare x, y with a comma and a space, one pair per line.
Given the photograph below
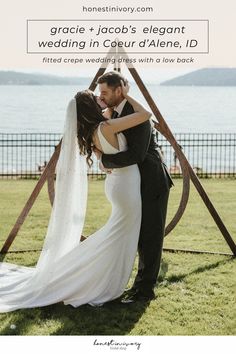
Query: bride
96, 270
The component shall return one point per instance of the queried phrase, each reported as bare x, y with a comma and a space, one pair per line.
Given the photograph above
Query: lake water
41, 109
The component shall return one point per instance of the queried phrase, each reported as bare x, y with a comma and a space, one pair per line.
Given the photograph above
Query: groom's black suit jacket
143, 150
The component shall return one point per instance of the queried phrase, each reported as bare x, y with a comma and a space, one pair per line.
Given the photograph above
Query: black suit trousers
151, 240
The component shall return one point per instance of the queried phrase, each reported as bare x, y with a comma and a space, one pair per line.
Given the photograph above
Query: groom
155, 185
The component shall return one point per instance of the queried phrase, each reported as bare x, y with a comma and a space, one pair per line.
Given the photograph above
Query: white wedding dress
96, 270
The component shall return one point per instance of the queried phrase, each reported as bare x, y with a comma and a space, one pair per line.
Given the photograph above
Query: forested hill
18, 78
205, 77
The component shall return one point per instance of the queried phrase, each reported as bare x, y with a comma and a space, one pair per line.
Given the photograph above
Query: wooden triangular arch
187, 171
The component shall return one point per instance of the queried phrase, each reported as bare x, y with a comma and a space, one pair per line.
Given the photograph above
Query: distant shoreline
203, 77
9, 78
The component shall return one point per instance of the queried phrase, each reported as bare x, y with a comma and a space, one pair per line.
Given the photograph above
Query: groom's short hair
112, 79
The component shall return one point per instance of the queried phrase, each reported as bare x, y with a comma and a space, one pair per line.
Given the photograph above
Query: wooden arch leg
186, 167
47, 175
51, 165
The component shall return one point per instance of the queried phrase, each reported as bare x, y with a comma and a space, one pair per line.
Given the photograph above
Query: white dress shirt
120, 106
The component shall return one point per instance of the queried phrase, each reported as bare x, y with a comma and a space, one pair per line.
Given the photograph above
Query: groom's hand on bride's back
98, 154
102, 168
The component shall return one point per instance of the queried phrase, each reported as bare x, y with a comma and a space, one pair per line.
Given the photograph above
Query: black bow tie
114, 114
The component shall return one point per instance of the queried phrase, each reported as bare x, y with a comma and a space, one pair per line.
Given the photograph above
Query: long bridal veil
20, 285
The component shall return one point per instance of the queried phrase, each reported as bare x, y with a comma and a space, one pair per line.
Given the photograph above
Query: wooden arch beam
162, 127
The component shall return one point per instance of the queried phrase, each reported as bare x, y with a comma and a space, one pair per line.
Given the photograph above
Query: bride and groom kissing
119, 131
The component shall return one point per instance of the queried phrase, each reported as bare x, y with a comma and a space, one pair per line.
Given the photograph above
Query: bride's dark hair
89, 115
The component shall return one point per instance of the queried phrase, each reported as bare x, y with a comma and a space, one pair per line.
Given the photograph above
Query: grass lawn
195, 292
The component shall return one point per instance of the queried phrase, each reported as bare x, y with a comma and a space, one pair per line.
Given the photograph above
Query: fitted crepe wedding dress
96, 270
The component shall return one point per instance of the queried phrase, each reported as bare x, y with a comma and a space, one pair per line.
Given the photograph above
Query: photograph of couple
119, 131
